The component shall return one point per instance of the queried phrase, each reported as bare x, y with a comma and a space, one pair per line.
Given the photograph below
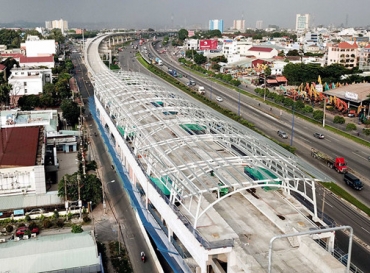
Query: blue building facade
216, 24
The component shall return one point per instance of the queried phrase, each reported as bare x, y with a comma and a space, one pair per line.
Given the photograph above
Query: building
262, 52
22, 161
259, 24
60, 24
28, 81
66, 252
302, 22
343, 53
40, 48
216, 24
48, 25
239, 25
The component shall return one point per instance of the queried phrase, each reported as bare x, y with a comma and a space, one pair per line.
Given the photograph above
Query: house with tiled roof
262, 52
343, 53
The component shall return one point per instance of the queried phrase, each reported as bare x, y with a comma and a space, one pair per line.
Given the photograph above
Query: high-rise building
216, 24
239, 24
302, 22
48, 25
259, 24
61, 24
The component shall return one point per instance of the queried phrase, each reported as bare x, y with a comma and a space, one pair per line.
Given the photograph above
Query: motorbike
143, 257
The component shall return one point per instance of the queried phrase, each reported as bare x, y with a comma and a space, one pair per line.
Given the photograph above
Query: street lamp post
264, 87
239, 105
291, 139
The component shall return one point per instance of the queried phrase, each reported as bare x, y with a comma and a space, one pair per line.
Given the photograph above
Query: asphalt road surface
116, 198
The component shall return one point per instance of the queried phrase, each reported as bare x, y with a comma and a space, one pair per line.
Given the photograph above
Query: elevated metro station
210, 192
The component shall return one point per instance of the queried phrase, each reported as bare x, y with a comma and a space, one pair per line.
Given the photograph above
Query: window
25, 91
25, 83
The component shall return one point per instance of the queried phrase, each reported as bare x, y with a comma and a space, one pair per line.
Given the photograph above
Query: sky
190, 14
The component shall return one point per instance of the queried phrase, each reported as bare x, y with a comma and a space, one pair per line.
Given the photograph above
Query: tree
183, 34
5, 89
267, 71
190, 53
28, 102
90, 187
71, 111
200, 59
57, 35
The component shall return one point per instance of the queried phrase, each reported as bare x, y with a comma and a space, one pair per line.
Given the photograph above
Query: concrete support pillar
108, 42
330, 242
231, 261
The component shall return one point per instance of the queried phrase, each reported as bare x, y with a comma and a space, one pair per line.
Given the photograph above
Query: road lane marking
365, 230
359, 155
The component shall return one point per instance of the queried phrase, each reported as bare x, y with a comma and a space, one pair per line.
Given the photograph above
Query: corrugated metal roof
49, 252
18, 146
27, 201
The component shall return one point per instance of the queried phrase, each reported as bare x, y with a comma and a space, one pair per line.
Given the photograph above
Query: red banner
208, 44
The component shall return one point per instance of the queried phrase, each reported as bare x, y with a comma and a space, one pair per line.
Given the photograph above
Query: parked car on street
23, 230
318, 135
282, 134
36, 211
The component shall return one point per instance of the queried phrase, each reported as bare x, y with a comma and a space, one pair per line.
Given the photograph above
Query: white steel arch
187, 147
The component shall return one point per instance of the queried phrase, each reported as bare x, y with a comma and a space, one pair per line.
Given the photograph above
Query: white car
219, 98
35, 211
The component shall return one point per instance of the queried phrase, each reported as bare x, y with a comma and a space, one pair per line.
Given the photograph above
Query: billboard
191, 33
208, 44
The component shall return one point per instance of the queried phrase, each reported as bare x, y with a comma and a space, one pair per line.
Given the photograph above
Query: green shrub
318, 115
86, 219
60, 223
56, 214
70, 215
9, 228
366, 131
351, 127
27, 232
76, 229
47, 223
42, 217
27, 218
307, 109
22, 225
339, 120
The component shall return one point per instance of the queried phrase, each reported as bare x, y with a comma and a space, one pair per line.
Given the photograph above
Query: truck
338, 163
158, 61
353, 181
201, 90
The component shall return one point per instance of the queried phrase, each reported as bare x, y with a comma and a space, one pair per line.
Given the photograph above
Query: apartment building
343, 53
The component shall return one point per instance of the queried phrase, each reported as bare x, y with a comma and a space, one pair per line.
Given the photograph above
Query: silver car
282, 134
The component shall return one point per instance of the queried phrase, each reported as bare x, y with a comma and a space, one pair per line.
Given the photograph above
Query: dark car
22, 230
318, 135
282, 134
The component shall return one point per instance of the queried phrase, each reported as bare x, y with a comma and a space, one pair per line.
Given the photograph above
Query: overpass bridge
217, 192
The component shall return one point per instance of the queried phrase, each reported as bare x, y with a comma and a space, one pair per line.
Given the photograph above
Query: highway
268, 120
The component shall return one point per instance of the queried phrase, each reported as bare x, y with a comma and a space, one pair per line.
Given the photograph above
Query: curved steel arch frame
176, 137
